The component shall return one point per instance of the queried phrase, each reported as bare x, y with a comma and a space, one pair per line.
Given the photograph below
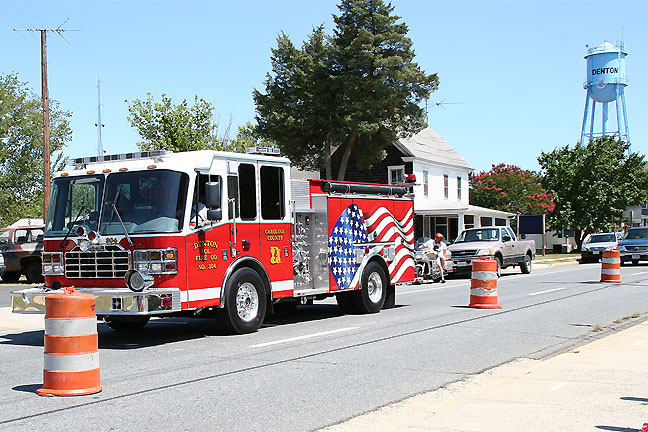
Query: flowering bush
645, 427
510, 188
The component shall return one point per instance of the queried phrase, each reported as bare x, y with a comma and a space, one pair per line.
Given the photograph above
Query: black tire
526, 265
11, 277
127, 323
635, 262
373, 289
345, 302
245, 303
34, 272
498, 259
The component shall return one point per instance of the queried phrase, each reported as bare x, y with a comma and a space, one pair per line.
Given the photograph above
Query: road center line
557, 386
309, 336
547, 291
428, 289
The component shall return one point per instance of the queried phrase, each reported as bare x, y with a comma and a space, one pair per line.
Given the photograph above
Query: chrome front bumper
110, 301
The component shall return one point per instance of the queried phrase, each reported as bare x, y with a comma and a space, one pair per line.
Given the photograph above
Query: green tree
510, 188
21, 148
165, 126
593, 184
356, 90
247, 136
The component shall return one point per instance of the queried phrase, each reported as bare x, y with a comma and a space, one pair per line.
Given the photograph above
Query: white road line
293, 339
446, 286
637, 343
640, 273
557, 386
547, 291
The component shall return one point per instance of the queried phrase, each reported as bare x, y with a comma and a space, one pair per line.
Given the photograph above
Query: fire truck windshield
146, 201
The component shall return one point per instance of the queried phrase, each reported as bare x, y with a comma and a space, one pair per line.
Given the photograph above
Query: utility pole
46, 123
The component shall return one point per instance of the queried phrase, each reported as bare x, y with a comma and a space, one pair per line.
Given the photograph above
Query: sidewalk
601, 386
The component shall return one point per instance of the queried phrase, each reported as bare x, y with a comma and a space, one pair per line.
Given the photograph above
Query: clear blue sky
511, 71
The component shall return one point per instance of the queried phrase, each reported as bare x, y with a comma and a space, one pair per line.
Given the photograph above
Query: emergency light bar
81, 162
272, 151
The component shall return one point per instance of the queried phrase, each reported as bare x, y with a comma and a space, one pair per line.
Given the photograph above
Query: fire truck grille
96, 264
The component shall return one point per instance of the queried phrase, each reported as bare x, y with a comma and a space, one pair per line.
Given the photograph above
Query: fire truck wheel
371, 297
127, 323
245, 302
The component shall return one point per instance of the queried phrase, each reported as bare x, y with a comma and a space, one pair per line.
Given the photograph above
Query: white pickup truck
498, 243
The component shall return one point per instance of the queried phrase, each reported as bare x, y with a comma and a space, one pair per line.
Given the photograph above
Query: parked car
595, 244
496, 242
3, 267
634, 246
21, 248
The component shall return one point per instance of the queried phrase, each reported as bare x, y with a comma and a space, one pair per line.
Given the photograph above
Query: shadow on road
28, 338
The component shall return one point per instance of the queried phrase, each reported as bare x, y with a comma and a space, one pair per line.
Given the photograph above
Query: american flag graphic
352, 230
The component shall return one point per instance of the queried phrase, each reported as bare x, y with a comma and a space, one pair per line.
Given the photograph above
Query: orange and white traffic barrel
71, 345
611, 266
483, 284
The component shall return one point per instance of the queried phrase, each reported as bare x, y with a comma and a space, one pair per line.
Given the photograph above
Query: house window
445, 186
500, 222
396, 174
425, 183
459, 188
486, 221
469, 221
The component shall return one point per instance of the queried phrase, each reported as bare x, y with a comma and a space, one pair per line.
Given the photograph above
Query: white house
441, 194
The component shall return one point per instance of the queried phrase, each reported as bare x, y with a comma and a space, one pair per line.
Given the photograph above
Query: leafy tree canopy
166, 126
356, 90
510, 188
593, 184
21, 148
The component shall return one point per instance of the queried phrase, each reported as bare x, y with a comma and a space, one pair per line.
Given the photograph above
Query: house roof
429, 146
449, 207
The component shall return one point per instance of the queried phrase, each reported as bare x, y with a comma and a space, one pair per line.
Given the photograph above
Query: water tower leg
618, 111
587, 102
625, 117
605, 118
591, 134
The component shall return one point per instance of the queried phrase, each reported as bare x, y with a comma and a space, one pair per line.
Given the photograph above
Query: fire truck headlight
137, 281
52, 264
156, 261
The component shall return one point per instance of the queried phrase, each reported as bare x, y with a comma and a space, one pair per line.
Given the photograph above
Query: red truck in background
21, 245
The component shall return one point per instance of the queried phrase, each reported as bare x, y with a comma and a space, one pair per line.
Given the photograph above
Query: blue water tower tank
606, 83
605, 70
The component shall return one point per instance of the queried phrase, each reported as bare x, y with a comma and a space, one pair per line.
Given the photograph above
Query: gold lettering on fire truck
205, 253
110, 240
275, 255
275, 234
203, 243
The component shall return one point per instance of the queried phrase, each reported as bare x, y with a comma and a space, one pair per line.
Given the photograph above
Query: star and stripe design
378, 230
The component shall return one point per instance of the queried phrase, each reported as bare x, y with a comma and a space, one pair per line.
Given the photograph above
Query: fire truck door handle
232, 202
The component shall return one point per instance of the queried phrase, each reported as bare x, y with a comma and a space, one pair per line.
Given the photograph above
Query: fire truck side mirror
215, 214
213, 196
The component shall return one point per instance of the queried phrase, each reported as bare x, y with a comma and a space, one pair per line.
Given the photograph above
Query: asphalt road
316, 367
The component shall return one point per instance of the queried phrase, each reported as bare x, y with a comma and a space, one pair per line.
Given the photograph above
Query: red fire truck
213, 233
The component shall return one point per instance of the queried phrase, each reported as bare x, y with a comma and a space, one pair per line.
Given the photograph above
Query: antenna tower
100, 150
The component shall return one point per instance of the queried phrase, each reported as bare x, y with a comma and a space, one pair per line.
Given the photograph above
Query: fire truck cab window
146, 202
75, 202
247, 191
200, 199
272, 193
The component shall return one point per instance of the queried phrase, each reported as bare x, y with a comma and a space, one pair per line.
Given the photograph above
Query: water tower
606, 81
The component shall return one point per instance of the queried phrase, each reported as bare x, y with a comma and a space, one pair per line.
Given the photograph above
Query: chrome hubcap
374, 287
247, 302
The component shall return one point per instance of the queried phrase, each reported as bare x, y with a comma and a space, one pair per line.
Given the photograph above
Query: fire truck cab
206, 232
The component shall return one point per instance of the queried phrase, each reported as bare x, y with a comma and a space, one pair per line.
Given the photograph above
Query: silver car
595, 244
